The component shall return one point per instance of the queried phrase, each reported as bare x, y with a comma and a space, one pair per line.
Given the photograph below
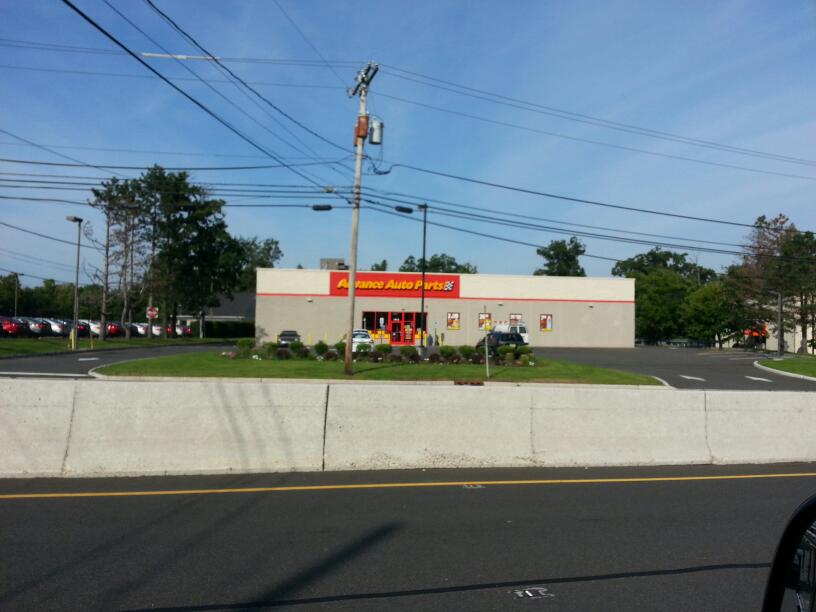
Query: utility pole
363, 80
780, 332
424, 208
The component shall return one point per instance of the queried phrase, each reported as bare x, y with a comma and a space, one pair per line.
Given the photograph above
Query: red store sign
386, 284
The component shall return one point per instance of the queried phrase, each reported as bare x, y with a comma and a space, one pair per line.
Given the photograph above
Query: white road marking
88, 359
691, 377
760, 379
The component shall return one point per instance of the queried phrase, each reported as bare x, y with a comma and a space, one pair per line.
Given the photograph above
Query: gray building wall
298, 299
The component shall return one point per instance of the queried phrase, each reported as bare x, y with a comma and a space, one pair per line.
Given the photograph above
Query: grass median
800, 364
12, 347
205, 364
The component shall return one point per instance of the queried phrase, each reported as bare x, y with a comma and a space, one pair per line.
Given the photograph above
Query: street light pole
364, 78
16, 290
424, 208
74, 338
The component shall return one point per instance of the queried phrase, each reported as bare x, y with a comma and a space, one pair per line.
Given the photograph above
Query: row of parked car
38, 327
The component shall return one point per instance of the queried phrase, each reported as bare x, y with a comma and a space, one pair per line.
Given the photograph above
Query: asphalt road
77, 365
676, 545
687, 368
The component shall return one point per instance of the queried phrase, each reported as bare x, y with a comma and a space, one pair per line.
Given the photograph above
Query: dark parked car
497, 339
286, 337
38, 327
13, 328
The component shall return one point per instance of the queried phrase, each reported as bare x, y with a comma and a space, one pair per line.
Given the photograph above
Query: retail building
558, 311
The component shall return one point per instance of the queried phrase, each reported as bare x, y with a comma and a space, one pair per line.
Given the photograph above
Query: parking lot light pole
74, 338
17, 276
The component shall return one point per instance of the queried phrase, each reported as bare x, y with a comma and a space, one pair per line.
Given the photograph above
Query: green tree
657, 259
795, 271
561, 258
193, 257
708, 314
658, 296
437, 263
380, 267
256, 254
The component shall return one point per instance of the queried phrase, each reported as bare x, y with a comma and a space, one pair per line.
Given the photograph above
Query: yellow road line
401, 485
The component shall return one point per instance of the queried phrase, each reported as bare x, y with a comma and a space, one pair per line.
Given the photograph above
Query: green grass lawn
26, 346
216, 365
797, 365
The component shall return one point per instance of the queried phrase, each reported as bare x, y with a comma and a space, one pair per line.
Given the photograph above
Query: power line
595, 142
568, 198
32, 259
43, 278
45, 46
309, 42
213, 58
56, 200
505, 213
495, 98
212, 88
57, 153
546, 229
46, 236
281, 164
482, 234
178, 153
192, 99
125, 75
460, 89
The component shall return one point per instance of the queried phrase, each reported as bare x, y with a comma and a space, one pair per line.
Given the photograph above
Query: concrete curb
341, 381
783, 373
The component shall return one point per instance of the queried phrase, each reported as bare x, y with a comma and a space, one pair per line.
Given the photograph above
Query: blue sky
736, 73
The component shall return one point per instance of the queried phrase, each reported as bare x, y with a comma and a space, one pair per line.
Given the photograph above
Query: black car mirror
792, 581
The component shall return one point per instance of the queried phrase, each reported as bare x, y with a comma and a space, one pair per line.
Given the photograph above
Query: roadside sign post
487, 353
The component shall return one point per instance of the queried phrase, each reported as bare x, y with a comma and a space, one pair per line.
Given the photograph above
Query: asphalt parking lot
687, 368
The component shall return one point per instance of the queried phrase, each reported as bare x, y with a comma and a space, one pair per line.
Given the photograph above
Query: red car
14, 327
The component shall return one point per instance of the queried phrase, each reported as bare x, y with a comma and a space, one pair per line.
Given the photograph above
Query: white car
514, 328
360, 337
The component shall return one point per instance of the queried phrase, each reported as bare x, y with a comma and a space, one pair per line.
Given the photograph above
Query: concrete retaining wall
99, 428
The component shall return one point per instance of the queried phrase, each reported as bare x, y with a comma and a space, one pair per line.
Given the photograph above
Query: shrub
414, 358
331, 355
283, 353
434, 358
383, 349
447, 352
321, 347
455, 358
246, 347
395, 358
506, 354
523, 350
303, 352
340, 347
477, 358
525, 359
295, 346
408, 351
375, 357
466, 351
363, 348
267, 350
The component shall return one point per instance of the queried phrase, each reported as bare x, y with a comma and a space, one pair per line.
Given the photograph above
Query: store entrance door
400, 328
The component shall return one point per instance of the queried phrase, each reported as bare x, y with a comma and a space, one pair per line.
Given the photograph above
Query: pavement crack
70, 429
705, 421
325, 422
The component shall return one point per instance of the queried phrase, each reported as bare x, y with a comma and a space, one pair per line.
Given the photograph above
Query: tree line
163, 242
